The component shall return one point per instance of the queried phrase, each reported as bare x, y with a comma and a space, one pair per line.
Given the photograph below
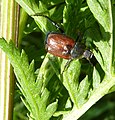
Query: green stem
8, 30
103, 89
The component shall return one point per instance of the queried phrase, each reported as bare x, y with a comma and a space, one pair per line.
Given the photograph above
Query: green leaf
83, 91
102, 12
71, 24
96, 79
30, 6
36, 98
70, 80
51, 108
33, 8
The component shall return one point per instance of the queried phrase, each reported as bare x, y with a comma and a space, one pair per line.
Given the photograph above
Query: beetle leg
67, 65
88, 55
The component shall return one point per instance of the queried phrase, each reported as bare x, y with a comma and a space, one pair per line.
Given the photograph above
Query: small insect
59, 44
65, 47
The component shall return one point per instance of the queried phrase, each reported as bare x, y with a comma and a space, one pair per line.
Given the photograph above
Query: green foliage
51, 94
36, 97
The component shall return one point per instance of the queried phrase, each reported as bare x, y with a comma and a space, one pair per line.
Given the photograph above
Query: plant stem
8, 30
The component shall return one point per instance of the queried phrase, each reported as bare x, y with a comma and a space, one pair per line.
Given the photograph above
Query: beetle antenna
53, 23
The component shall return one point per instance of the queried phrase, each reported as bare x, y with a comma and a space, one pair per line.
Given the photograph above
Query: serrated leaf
51, 108
83, 91
29, 6
71, 24
33, 8
26, 104
36, 103
70, 79
24, 59
96, 78
102, 14
44, 99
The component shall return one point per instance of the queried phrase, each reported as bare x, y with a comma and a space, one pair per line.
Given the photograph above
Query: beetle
65, 47
61, 45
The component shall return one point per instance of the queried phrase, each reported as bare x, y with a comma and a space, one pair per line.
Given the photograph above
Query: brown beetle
65, 47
